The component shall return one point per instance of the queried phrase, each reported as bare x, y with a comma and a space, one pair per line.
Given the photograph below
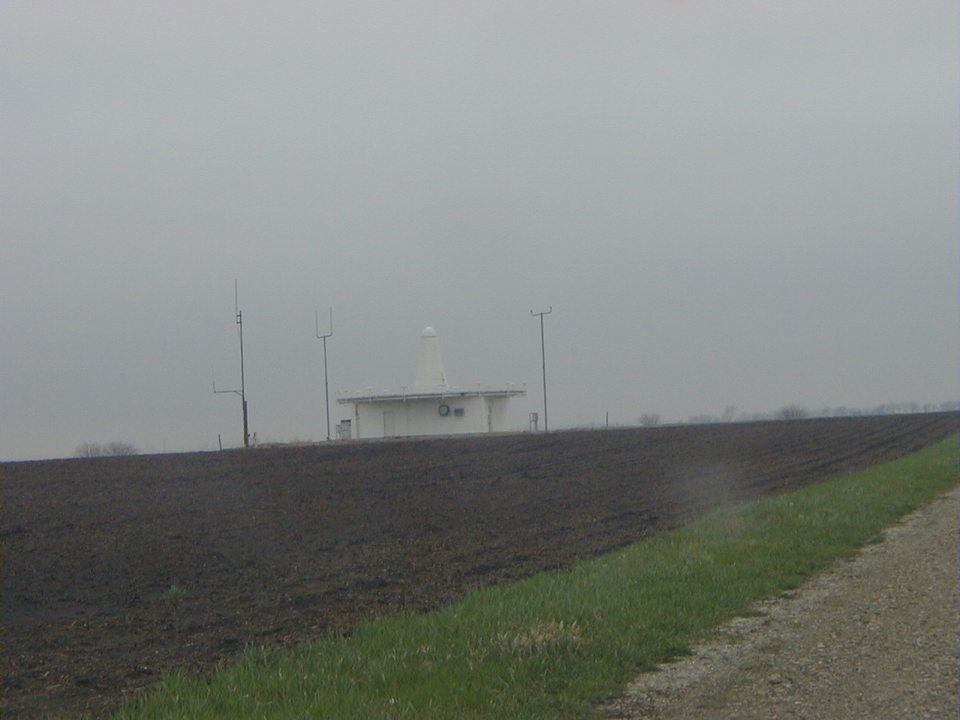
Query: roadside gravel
875, 637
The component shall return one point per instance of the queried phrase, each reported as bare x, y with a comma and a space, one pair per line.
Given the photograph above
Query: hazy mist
736, 203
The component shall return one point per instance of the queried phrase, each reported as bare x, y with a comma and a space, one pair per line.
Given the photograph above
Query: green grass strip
560, 643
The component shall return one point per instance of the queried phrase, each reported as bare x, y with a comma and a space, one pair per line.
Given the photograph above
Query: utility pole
242, 392
543, 358
326, 384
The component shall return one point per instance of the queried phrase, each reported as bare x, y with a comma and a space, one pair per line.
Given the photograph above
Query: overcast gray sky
726, 202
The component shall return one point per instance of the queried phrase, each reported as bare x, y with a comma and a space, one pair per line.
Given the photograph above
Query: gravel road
876, 637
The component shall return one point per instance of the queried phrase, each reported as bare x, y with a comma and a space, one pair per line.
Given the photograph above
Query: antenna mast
543, 357
242, 392
326, 384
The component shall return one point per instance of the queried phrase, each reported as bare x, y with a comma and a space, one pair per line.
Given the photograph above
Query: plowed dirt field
116, 570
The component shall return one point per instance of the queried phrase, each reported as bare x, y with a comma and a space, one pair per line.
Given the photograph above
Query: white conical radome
430, 375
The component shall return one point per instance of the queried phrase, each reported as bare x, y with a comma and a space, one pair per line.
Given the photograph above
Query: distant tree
121, 448
116, 448
89, 450
649, 419
792, 412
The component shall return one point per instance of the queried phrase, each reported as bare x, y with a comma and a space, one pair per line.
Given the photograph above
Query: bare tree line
797, 412
113, 449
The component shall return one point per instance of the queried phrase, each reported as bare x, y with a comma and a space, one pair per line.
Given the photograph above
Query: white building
432, 408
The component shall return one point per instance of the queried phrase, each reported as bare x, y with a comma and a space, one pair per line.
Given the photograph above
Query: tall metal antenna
326, 384
242, 392
543, 357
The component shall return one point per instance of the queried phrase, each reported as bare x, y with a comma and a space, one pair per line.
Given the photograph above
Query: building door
389, 426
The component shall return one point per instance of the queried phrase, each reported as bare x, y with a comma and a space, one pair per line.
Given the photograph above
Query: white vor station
432, 408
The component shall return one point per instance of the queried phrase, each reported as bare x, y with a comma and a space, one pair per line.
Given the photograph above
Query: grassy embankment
558, 644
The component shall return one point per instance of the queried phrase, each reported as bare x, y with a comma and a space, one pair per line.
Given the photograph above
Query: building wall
404, 418
499, 413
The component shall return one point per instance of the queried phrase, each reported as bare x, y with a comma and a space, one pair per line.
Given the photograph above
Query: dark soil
117, 570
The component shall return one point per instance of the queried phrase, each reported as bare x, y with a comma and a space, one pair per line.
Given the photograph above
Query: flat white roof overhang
404, 397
